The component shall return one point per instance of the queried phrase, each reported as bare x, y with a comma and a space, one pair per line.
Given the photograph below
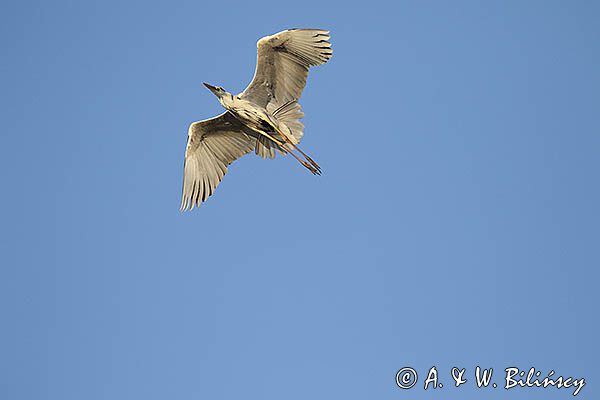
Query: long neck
227, 100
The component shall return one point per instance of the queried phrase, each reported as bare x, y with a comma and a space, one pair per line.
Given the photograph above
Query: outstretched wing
283, 62
212, 145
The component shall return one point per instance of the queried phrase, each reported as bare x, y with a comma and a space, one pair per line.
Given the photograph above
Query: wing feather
282, 64
212, 145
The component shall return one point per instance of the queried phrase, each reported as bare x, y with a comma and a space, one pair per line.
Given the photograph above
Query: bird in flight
265, 117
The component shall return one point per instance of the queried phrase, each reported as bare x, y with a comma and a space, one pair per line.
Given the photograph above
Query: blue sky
456, 222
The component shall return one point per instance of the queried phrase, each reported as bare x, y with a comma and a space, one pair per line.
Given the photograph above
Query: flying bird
265, 117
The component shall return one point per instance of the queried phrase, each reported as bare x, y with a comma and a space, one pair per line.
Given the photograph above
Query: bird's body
252, 115
264, 117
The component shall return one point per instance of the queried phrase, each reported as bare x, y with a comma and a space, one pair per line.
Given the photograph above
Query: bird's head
217, 90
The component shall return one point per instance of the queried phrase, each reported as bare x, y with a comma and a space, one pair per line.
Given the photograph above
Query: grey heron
265, 117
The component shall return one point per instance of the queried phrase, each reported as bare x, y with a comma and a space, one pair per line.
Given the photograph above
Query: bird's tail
265, 147
287, 117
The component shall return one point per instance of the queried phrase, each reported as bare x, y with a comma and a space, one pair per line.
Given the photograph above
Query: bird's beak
211, 88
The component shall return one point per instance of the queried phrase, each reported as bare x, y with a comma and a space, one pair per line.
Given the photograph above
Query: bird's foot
312, 169
314, 164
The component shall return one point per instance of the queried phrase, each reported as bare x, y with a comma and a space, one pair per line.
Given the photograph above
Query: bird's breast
250, 117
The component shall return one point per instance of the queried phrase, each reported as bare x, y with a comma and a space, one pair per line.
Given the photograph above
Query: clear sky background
456, 222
